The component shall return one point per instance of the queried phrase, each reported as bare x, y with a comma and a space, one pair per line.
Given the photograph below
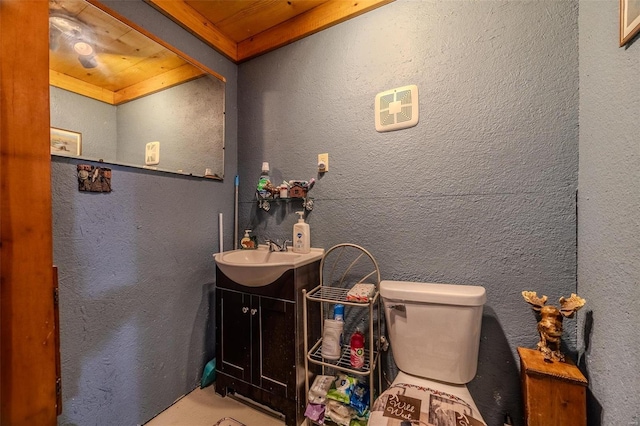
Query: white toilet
434, 331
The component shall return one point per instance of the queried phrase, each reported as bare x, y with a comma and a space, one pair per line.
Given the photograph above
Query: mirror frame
208, 71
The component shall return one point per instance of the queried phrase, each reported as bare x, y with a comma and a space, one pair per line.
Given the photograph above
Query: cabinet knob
253, 311
245, 310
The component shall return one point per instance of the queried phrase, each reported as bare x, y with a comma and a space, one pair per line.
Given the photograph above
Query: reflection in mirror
133, 101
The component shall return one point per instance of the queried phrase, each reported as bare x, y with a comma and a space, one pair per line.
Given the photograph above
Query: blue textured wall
609, 216
481, 191
136, 272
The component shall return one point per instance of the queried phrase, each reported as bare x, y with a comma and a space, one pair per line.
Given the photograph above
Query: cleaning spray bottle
264, 180
301, 235
357, 349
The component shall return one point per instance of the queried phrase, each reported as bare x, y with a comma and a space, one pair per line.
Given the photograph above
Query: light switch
323, 162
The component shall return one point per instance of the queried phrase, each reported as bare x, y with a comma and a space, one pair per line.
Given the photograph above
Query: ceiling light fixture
86, 54
83, 48
75, 35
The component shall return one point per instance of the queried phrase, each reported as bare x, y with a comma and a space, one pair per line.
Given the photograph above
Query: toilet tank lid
447, 294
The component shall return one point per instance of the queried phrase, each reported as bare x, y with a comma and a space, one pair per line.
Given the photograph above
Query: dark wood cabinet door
274, 346
233, 319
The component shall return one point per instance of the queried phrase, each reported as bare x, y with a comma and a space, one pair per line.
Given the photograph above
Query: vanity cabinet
264, 359
259, 340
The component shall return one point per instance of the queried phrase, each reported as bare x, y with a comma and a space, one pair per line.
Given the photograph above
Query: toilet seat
437, 400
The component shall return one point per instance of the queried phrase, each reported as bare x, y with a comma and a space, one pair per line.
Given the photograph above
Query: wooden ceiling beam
75, 85
192, 21
317, 19
155, 84
160, 82
323, 16
252, 17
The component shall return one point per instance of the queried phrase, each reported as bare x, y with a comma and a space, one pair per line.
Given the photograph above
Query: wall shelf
265, 203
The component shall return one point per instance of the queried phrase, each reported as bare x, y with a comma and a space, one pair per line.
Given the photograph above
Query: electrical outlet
152, 153
323, 163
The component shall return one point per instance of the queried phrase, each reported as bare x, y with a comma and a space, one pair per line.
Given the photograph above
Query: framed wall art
629, 20
65, 142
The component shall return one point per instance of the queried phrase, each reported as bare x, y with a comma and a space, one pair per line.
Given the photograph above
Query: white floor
202, 407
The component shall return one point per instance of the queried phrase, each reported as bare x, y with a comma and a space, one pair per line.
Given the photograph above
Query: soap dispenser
301, 235
248, 242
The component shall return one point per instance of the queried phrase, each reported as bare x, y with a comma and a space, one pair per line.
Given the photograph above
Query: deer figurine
550, 324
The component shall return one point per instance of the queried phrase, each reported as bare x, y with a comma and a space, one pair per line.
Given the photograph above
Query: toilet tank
434, 329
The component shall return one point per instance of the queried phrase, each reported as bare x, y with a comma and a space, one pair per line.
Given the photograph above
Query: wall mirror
121, 96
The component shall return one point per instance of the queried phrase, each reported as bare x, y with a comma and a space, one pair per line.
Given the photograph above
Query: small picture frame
629, 20
65, 142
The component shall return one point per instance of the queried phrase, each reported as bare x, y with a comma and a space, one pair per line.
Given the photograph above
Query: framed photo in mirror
65, 142
629, 20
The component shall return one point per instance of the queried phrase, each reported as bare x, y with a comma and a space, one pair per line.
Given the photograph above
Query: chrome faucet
274, 246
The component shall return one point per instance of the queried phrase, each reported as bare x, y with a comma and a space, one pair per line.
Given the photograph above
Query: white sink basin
256, 268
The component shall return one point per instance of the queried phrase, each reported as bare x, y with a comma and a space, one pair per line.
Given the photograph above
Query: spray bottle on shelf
301, 235
264, 180
357, 349
338, 312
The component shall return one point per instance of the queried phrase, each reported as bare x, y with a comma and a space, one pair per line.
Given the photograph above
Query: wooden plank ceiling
126, 64
244, 29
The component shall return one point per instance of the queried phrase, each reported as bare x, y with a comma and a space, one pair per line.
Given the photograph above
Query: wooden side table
554, 393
